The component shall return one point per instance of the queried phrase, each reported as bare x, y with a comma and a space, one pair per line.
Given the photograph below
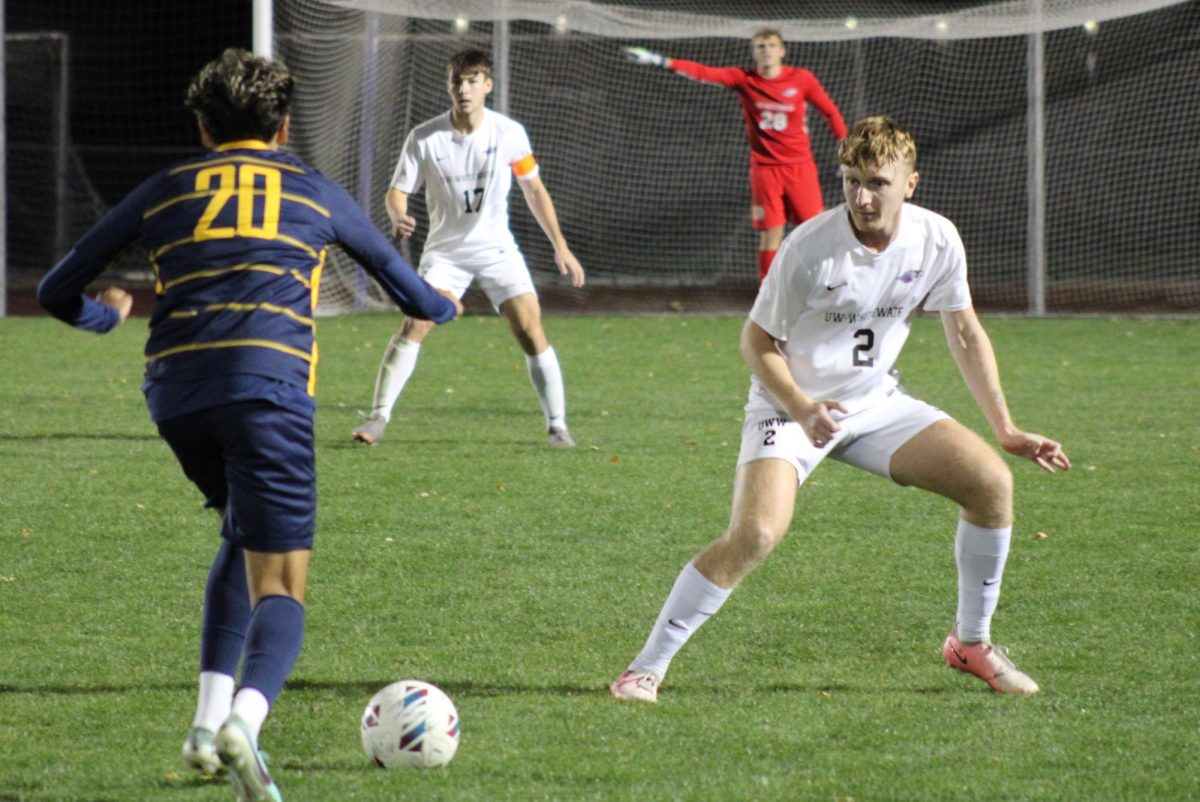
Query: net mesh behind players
649, 171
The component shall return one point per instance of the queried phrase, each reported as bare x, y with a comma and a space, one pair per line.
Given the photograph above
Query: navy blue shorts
254, 460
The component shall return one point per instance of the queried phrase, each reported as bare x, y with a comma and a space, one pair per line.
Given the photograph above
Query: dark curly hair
241, 96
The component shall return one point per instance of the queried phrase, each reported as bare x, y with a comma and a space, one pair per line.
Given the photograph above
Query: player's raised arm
640, 55
976, 360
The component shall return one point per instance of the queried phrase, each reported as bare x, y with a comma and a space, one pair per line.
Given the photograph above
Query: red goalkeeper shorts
783, 193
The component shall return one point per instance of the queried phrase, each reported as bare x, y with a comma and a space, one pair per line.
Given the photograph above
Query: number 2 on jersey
862, 351
478, 193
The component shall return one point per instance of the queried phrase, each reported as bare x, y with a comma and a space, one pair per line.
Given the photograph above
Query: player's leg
524, 316
400, 356
272, 516
767, 213
769, 240
764, 495
277, 582
226, 598
510, 289
775, 457
949, 459
802, 192
395, 369
222, 636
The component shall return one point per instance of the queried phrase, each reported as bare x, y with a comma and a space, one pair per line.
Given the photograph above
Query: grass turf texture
522, 579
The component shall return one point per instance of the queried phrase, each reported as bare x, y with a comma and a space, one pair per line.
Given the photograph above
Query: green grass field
522, 580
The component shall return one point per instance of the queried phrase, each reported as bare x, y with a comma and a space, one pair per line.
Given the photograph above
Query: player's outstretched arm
759, 351
640, 55
538, 199
972, 350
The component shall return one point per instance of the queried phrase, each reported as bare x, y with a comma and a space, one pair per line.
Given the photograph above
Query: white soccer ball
410, 723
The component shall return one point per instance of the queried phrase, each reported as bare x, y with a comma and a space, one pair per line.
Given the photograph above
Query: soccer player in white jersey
466, 159
827, 326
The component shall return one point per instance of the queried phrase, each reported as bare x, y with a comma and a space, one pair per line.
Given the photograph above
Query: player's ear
910, 186
285, 129
206, 139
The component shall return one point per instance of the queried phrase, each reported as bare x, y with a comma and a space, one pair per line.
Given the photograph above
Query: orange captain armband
525, 167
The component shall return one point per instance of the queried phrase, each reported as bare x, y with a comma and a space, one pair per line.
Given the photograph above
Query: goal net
1057, 134
93, 105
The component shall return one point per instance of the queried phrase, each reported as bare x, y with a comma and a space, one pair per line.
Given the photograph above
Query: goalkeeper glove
641, 55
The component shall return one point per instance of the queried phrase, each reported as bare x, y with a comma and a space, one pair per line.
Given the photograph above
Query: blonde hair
875, 141
767, 33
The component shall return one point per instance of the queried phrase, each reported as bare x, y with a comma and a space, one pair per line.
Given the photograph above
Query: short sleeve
950, 291
783, 293
407, 176
519, 152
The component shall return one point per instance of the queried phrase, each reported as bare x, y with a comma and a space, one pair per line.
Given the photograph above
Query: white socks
399, 361
217, 702
980, 554
251, 707
546, 377
692, 601
214, 701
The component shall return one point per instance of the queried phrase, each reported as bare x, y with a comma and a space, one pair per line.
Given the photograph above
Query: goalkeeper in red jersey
784, 183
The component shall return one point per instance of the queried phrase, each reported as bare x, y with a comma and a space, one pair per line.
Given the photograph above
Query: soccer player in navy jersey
784, 184
238, 237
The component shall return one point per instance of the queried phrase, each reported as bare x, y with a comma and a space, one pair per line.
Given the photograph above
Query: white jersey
467, 178
842, 312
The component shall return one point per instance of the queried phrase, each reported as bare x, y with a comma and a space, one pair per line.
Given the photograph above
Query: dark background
1122, 111
130, 63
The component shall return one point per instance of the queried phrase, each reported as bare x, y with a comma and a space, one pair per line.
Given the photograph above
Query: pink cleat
639, 686
988, 662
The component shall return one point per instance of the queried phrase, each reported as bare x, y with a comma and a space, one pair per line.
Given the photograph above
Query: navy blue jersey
238, 238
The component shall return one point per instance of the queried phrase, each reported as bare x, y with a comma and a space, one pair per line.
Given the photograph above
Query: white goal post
1045, 128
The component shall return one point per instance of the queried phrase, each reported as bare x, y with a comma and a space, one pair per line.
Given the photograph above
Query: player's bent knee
414, 330
754, 541
990, 499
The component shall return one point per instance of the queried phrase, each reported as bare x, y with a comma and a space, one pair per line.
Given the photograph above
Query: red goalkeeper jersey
774, 108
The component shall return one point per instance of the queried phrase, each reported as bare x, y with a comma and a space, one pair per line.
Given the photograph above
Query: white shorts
501, 280
868, 438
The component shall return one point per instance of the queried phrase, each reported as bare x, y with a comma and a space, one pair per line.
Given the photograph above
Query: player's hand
640, 55
1046, 453
568, 265
118, 299
458, 307
818, 424
404, 227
